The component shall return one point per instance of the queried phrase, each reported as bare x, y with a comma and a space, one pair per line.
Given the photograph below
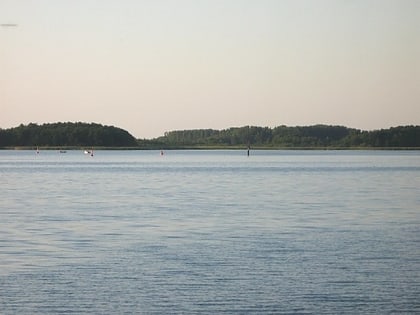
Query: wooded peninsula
76, 135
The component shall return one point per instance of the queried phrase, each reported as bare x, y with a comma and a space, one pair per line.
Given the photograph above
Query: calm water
293, 232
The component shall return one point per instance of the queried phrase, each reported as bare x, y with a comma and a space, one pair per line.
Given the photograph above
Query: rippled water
285, 232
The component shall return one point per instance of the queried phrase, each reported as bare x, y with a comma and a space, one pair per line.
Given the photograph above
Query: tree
66, 134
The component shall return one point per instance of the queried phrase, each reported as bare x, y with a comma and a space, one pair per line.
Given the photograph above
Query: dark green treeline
295, 137
66, 135
318, 136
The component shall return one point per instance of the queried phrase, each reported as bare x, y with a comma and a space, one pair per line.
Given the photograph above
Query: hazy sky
159, 65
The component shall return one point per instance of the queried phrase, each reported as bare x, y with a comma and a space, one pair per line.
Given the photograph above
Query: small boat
90, 152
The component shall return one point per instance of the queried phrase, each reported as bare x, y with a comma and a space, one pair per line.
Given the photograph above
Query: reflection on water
210, 232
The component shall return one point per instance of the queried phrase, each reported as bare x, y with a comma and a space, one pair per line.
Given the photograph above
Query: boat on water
89, 152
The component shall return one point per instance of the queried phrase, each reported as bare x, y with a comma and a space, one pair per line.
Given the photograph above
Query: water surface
293, 232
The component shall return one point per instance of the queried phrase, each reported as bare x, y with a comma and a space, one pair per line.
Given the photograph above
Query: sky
150, 66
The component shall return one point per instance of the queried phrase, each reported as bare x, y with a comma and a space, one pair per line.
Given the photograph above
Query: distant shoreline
79, 135
235, 148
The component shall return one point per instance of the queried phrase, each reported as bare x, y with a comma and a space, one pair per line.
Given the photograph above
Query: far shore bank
332, 148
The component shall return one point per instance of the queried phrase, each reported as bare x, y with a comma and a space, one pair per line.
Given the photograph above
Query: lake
210, 232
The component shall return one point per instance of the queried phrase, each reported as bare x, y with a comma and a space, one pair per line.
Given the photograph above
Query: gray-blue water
211, 232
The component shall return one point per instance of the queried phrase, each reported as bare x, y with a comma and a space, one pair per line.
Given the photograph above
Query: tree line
66, 135
316, 136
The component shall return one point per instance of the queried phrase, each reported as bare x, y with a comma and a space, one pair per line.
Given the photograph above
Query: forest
317, 136
66, 135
